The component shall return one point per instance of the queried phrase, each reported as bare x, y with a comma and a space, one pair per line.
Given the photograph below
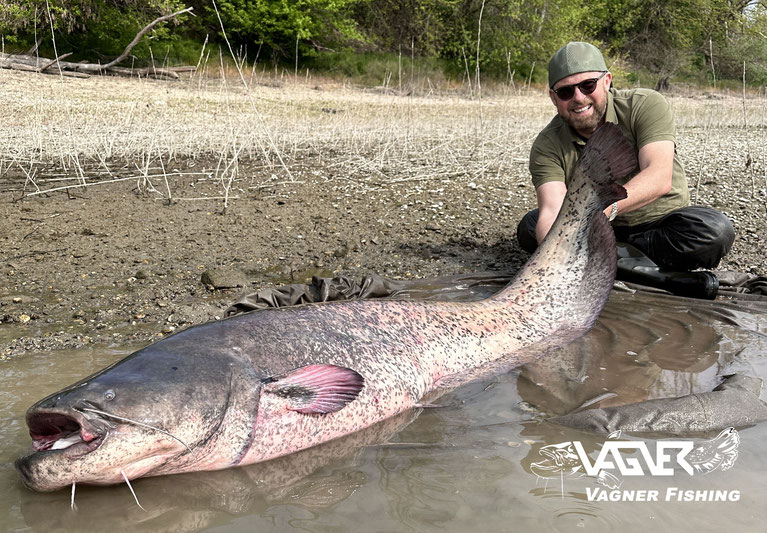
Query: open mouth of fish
69, 432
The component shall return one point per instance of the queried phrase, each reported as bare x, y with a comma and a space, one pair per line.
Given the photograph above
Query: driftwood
28, 62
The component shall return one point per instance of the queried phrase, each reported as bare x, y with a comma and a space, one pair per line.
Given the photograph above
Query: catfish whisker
131, 490
123, 419
72, 502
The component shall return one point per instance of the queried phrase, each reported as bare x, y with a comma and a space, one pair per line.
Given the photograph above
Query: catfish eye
109, 395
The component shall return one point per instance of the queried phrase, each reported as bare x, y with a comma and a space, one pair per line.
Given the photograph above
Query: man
656, 217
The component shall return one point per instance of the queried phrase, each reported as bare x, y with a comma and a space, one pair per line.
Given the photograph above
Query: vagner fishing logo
618, 459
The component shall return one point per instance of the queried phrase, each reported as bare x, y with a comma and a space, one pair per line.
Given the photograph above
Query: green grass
375, 69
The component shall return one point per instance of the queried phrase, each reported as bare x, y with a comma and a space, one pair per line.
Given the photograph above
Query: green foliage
745, 40
70, 16
409, 27
659, 38
279, 24
513, 35
667, 36
88, 28
380, 68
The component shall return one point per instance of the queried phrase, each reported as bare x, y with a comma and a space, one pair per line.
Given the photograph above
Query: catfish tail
558, 295
607, 157
570, 275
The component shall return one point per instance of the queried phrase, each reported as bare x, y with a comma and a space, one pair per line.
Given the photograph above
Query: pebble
224, 278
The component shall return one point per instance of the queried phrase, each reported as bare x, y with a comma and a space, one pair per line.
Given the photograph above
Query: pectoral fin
316, 389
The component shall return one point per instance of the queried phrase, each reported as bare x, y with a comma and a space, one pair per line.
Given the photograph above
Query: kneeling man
656, 218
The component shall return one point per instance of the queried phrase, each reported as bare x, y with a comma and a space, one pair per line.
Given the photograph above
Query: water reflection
463, 466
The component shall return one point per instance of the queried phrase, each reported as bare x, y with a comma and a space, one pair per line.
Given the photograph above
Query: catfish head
153, 408
160, 412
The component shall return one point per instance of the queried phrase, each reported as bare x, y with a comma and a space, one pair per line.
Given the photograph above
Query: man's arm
550, 197
656, 164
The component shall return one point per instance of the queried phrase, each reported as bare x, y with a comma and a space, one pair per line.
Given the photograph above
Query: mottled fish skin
205, 385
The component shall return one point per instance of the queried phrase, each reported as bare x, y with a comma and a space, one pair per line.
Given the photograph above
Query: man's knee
695, 237
722, 231
526, 231
715, 235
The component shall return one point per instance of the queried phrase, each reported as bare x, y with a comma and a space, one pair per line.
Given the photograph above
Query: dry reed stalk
368, 139
30, 176
204, 198
248, 92
104, 182
202, 53
749, 167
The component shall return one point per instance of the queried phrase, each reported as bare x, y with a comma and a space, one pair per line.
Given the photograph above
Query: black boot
635, 267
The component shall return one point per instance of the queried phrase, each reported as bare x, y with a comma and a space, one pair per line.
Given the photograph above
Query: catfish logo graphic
570, 459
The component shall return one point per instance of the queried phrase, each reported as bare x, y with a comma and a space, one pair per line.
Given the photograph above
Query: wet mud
114, 265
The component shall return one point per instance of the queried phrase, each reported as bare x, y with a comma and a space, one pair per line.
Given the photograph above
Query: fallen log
52, 61
29, 63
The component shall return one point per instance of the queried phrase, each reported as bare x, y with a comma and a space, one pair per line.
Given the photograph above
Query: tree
515, 33
279, 25
743, 40
666, 36
412, 27
86, 26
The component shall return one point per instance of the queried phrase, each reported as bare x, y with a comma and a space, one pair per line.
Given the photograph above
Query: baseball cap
575, 57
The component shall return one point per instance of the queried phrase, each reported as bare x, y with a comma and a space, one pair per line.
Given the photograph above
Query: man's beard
590, 121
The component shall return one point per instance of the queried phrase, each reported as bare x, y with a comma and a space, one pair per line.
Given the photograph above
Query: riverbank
117, 195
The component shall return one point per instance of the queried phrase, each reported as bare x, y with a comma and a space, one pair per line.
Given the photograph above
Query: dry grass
322, 177
62, 127
60, 133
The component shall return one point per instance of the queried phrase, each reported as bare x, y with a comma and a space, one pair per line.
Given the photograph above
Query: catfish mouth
65, 432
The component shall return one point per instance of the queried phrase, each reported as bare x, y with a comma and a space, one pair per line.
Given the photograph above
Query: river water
466, 465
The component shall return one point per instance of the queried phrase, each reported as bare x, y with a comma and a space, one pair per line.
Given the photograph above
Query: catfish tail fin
608, 156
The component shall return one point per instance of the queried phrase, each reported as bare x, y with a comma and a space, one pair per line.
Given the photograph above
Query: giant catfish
265, 384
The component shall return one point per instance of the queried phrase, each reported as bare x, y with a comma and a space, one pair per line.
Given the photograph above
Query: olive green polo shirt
644, 116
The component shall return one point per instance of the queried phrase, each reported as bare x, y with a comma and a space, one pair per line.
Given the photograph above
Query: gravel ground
281, 183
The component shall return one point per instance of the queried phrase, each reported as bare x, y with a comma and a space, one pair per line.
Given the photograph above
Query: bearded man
656, 217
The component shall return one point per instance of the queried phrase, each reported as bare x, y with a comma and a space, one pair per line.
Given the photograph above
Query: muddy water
463, 466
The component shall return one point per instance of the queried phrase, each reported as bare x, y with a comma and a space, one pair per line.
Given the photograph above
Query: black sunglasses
585, 87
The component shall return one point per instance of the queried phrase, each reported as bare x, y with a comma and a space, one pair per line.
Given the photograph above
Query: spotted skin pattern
210, 386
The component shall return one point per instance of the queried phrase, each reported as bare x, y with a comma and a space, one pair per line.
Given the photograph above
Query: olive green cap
573, 58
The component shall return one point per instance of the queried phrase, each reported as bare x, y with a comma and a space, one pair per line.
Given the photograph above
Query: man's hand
656, 163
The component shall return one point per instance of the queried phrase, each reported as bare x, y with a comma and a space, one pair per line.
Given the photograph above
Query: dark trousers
684, 239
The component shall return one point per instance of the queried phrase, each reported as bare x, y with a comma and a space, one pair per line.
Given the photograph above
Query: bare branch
35, 47
140, 34
52, 61
35, 64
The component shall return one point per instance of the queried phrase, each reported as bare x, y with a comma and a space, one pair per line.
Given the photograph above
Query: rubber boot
635, 267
